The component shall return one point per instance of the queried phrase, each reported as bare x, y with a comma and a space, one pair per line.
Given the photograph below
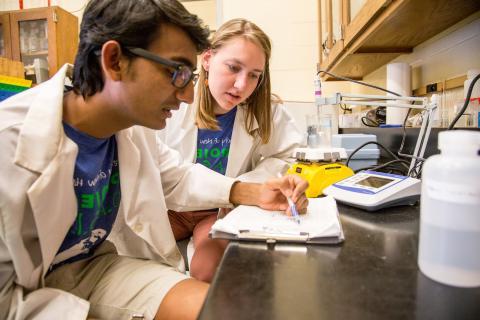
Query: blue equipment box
363, 158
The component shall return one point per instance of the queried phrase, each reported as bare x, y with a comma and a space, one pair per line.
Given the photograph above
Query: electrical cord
389, 169
380, 145
386, 166
418, 161
359, 82
400, 149
418, 166
390, 163
345, 108
375, 124
465, 105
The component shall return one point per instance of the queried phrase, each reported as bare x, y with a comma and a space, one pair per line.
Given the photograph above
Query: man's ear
112, 60
206, 56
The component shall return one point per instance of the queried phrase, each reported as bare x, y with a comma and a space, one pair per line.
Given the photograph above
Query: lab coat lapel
241, 144
129, 164
39, 139
55, 182
42, 147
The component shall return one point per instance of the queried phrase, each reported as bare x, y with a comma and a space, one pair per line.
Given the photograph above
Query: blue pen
292, 206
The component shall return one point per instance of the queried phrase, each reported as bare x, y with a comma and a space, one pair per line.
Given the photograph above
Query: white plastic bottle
449, 243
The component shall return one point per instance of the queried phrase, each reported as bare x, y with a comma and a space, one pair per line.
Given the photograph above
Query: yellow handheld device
320, 175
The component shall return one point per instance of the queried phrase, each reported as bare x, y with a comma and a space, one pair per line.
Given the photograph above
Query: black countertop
373, 275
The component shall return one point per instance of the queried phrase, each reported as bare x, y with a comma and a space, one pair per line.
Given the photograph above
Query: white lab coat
38, 203
248, 159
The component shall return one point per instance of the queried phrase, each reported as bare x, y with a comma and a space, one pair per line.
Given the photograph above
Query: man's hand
272, 195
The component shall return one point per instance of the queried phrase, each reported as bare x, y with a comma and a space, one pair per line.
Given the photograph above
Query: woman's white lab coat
248, 159
38, 203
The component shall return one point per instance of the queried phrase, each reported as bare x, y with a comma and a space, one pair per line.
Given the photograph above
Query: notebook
320, 225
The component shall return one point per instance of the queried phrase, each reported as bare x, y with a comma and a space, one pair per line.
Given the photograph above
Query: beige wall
292, 27
205, 9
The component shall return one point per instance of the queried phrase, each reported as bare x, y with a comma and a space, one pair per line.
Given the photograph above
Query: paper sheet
321, 220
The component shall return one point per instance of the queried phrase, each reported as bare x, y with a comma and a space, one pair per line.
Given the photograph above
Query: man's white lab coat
38, 203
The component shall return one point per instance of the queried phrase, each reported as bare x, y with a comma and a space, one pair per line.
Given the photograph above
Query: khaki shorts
117, 287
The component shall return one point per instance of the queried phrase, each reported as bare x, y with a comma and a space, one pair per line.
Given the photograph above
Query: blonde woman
234, 128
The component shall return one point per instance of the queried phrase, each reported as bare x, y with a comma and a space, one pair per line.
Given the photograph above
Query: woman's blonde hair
259, 103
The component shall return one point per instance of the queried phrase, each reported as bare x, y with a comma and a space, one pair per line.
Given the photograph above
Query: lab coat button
138, 227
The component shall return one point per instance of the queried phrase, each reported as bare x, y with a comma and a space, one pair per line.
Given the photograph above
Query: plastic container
325, 122
313, 134
449, 243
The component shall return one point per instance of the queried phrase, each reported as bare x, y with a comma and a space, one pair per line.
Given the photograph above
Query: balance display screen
375, 182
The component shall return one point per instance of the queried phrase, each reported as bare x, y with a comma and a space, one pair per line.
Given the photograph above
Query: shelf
34, 53
395, 30
453, 83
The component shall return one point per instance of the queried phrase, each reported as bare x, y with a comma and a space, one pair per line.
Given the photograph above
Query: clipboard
320, 225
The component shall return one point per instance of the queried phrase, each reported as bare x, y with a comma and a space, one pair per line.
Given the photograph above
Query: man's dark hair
132, 23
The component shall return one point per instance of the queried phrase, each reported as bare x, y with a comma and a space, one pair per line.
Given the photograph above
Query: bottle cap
463, 139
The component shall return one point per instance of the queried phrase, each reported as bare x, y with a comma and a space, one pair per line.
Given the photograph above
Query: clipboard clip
272, 238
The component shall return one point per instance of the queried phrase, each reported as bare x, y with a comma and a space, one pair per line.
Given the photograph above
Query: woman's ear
206, 56
111, 60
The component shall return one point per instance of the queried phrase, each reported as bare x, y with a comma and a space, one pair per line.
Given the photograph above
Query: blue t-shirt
96, 181
213, 146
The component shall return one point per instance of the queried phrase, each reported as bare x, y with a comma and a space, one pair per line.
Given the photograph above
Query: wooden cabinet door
44, 38
33, 40
361, 15
5, 40
331, 26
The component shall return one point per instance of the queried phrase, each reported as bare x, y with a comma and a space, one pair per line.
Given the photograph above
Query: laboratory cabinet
341, 22
359, 36
5, 43
42, 38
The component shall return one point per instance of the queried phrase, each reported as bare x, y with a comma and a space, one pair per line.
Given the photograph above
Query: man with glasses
84, 188
182, 74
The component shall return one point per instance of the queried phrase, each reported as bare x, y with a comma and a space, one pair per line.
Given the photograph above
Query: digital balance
371, 190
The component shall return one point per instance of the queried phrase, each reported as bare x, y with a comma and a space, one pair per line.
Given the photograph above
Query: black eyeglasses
181, 76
